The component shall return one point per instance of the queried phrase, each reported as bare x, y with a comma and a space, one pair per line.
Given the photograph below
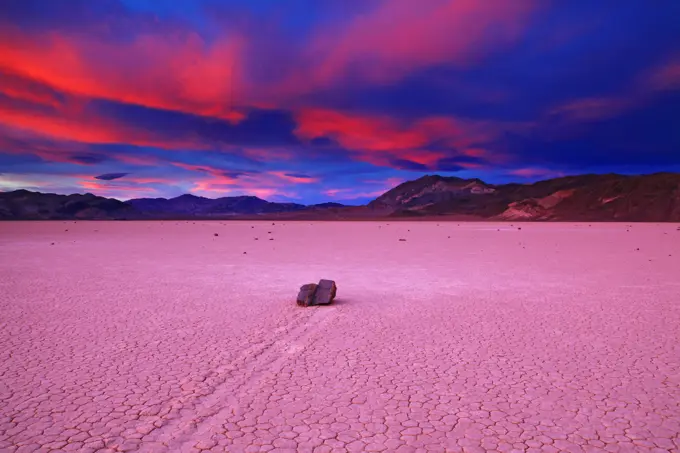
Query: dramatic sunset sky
331, 100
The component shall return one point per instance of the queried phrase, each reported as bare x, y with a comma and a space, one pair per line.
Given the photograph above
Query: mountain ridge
588, 197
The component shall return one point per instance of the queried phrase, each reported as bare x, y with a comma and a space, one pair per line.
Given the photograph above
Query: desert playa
464, 337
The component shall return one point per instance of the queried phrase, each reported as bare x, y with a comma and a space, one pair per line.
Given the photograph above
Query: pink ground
159, 336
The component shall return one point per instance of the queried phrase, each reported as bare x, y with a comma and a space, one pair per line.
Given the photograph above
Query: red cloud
85, 127
24, 89
377, 139
220, 184
171, 71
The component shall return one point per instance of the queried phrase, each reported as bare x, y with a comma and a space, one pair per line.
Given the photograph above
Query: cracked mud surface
160, 336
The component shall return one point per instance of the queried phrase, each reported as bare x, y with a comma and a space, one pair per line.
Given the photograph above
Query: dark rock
325, 292
402, 240
216, 234
312, 294
305, 297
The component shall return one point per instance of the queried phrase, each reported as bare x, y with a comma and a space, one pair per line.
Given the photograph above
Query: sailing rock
312, 294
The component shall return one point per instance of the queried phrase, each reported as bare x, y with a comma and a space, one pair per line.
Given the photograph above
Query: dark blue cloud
405, 164
88, 158
111, 176
259, 128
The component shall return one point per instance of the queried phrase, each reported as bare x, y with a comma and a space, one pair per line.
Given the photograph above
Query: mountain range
609, 197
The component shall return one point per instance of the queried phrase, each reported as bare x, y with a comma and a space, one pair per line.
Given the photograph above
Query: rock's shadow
339, 302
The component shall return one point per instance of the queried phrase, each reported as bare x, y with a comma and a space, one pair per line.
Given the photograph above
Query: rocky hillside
610, 197
24, 204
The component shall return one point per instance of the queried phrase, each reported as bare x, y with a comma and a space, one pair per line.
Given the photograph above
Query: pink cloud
595, 108
402, 36
661, 78
666, 76
293, 178
533, 172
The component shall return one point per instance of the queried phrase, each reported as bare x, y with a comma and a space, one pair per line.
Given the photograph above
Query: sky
312, 101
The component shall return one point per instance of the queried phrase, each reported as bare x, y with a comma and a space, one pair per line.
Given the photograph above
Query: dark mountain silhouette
24, 204
191, 205
610, 197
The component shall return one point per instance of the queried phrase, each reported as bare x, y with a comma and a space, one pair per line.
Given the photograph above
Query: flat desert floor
470, 337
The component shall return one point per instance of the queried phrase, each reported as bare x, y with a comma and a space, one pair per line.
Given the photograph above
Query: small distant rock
402, 240
245, 253
52, 243
271, 239
215, 234
257, 239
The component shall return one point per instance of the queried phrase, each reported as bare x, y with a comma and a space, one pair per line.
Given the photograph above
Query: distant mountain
611, 197
328, 205
24, 204
191, 205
